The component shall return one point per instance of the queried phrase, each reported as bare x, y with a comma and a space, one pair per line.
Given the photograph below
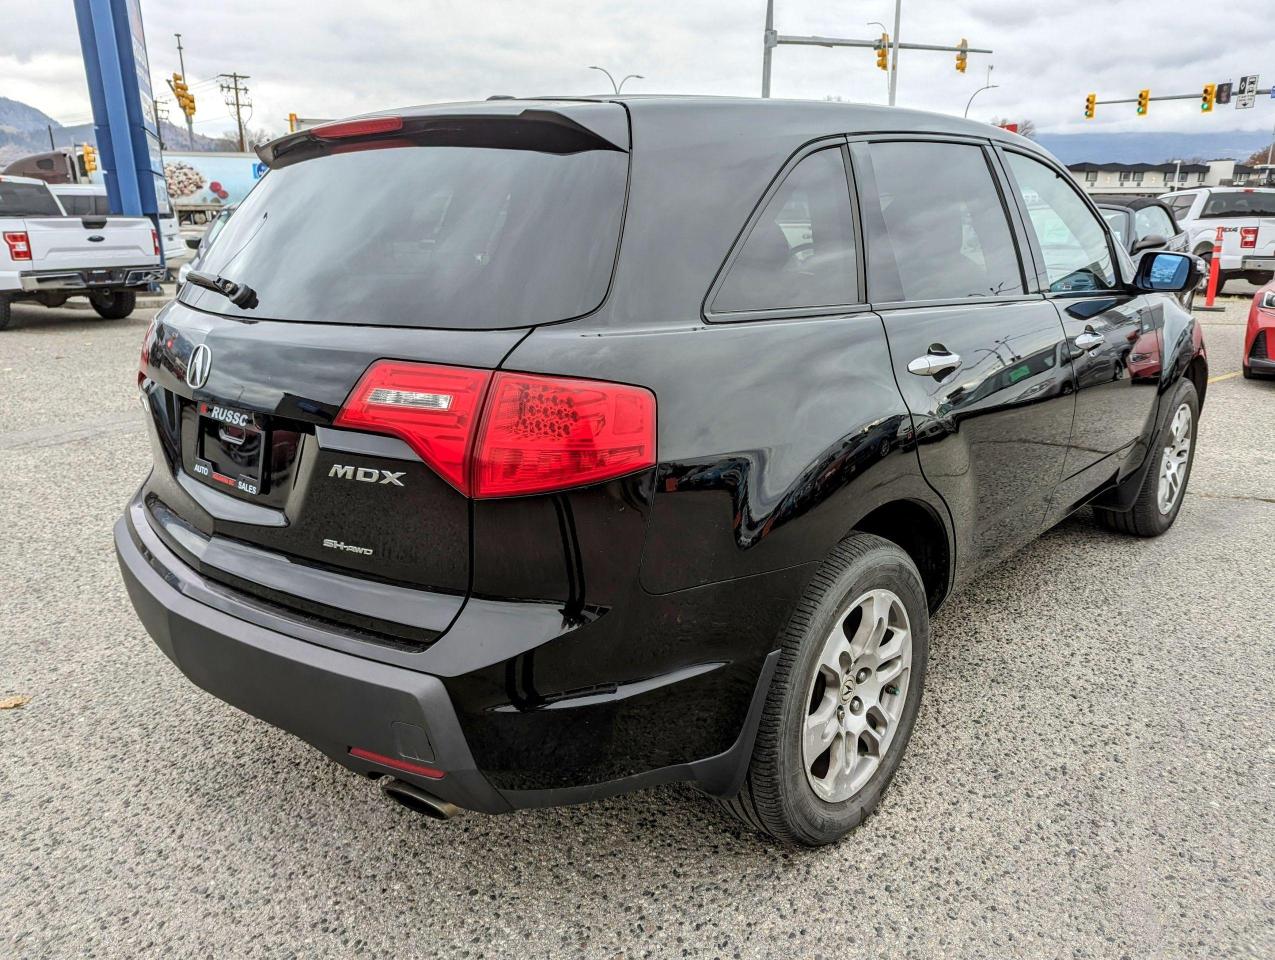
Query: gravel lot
1092, 774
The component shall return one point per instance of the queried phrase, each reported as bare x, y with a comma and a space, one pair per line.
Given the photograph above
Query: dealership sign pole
124, 121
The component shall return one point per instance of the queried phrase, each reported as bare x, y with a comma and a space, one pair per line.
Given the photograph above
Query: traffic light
1144, 101
962, 55
185, 100
883, 52
90, 158
1091, 106
1207, 96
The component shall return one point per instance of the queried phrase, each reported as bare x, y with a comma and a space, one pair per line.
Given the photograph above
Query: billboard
210, 179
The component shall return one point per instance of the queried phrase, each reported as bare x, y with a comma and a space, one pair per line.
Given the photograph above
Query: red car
1259, 339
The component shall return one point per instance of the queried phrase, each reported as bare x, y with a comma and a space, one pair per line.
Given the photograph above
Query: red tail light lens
356, 128
535, 433
19, 245
433, 409
1248, 237
396, 763
549, 433
155, 241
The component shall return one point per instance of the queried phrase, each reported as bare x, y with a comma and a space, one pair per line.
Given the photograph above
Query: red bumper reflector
394, 763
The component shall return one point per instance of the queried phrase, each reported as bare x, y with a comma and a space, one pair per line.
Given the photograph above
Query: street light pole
988, 86
617, 87
181, 62
768, 46
894, 61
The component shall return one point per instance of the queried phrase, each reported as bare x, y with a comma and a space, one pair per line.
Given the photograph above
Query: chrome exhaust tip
417, 800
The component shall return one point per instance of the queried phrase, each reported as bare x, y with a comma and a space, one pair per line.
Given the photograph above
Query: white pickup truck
1247, 218
48, 256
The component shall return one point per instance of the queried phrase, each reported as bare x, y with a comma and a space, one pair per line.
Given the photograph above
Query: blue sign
127, 130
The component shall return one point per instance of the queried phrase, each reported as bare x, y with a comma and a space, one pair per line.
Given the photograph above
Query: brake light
548, 433
356, 128
19, 245
155, 242
1248, 237
507, 434
394, 763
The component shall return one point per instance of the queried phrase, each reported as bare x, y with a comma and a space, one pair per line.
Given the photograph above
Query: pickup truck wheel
1164, 484
5, 313
114, 306
844, 697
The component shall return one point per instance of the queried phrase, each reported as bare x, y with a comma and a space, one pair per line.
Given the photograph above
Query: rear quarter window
1258, 203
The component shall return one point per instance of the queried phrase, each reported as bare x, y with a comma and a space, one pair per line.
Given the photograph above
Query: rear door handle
933, 364
1089, 340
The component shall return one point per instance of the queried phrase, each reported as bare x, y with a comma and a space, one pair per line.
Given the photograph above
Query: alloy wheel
1173, 462
856, 697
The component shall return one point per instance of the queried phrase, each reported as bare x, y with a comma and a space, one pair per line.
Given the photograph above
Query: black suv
525, 452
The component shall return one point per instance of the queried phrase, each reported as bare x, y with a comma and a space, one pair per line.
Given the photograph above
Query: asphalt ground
1092, 773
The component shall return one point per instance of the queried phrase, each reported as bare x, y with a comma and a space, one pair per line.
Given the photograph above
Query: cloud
331, 58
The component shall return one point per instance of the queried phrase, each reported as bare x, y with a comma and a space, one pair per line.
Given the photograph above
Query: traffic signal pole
190, 125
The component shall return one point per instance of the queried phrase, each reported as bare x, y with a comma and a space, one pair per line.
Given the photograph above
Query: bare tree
1264, 155
1026, 128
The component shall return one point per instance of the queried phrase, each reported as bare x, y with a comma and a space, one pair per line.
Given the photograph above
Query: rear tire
852, 661
114, 306
1164, 484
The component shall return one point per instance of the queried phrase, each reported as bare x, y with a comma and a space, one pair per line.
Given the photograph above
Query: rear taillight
507, 434
342, 129
1248, 238
19, 245
396, 763
155, 242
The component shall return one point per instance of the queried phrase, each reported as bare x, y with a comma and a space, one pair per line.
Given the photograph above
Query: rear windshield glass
27, 200
469, 237
1259, 203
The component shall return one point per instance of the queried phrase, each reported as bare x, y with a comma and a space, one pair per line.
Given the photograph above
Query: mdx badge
366, 474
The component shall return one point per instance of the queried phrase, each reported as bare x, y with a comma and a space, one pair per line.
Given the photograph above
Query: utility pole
181, 63
239, 93
54, 146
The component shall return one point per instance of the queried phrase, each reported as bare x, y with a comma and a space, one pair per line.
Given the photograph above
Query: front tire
844, 698
114, 306
1164, 484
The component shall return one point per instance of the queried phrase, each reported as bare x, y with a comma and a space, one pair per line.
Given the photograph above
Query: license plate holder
230, 448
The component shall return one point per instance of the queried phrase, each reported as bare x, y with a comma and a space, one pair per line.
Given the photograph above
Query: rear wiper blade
240, 294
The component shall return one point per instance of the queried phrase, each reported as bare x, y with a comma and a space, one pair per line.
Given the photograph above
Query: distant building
1153, 179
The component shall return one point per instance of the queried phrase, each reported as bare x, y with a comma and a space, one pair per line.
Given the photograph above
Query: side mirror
1159, 271
1150, 242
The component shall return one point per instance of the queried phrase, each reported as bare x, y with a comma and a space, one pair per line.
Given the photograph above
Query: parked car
49, 256
1259, 337
200, 245
642, 444
1141, 223
90, 200
1247, 218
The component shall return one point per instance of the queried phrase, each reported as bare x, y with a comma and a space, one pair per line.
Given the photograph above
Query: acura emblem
198, 366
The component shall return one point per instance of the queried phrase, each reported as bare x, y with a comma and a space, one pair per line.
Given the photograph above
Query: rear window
1259, 203
425, 235
27, 200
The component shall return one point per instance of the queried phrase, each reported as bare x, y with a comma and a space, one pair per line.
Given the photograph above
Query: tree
1264, 155
1026, 128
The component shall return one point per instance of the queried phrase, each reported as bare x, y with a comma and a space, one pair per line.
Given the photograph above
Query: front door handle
1089, 340
934, 364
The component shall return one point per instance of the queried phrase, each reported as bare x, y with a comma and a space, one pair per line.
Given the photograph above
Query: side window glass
1152, 221
946, 229
1074, 244
800, 252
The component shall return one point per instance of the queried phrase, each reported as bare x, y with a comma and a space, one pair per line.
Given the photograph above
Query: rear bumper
502, 743
88, 280
1258, 263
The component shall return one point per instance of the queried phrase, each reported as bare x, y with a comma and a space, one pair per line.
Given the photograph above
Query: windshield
27, 200
425, 236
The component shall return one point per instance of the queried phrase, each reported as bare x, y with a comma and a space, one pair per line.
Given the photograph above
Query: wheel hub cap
855, 700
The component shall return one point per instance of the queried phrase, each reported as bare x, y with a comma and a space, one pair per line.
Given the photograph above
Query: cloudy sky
320, 59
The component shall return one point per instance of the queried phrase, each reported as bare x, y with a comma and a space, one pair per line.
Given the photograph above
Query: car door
1114, 339
980, 362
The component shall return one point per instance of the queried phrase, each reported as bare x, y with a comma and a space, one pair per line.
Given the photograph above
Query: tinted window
945, 227
800, 253
1152, 222
76, 205
27, 200
425, 236
1181, 205
1072, 239
1256, 203
1116, 221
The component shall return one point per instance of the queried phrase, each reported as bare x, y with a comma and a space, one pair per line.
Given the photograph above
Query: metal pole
885, 30
631, 76
52, 145
988, 86
768, 45
181, 62
238, 115
894, 62
614, 88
